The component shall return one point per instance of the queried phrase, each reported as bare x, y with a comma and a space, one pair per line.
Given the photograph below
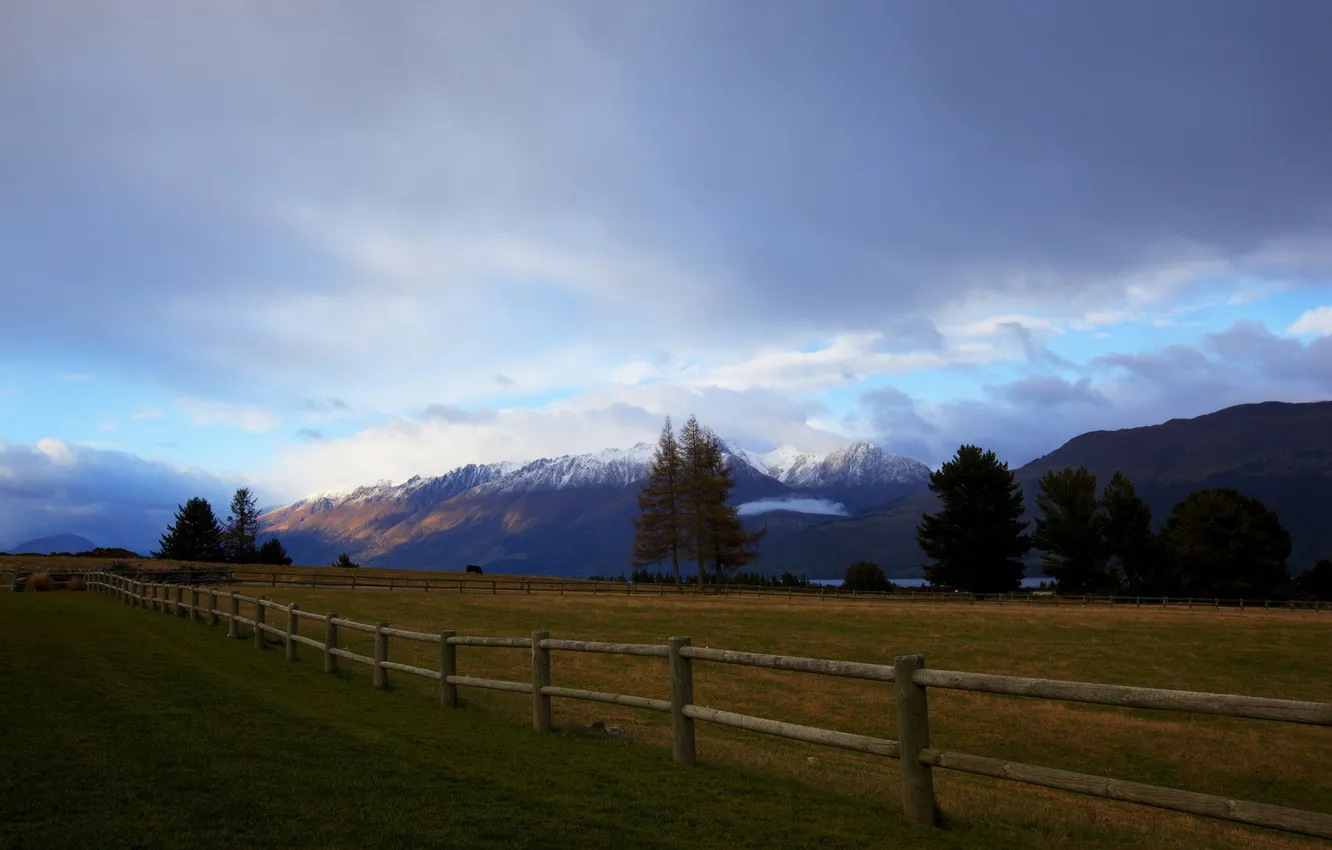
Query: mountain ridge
490, 513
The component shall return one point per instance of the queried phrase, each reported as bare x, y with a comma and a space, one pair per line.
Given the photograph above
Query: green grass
130, 728
123, 729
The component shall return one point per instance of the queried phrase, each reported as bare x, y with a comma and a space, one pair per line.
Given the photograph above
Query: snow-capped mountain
569, 514
607, 468
857, 465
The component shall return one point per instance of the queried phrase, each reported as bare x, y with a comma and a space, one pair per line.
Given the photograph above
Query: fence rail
461, 584
917, 757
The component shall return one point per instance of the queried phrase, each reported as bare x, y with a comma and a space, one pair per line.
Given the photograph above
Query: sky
304, 246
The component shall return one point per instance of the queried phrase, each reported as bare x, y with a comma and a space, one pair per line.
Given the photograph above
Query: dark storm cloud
827, 167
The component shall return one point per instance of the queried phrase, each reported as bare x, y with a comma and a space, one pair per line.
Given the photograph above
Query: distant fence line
913, 748
462, 584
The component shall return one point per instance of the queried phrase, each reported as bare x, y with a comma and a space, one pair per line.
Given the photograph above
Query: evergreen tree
242, 528
195, 536
1071, 530
1227, 544
274, 553
729, 544
1129, 539
977, 540
345, 562
659, 529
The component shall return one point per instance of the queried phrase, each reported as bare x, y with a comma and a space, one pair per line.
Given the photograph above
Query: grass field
195, 691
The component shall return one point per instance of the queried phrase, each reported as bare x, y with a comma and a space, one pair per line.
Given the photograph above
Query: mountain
570, 515
1276, 452
55, 543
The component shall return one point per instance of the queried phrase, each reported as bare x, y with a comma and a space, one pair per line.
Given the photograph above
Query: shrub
865, 575
77, 583
41, 581
473, 568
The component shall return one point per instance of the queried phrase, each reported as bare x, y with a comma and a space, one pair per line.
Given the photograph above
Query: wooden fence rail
241, 576
912, 679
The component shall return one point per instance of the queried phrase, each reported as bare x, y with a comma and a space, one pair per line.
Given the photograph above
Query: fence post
234, 629
448, 666
913, 719
293, 627
381, 655
180, 601
194, 605
212, 608
540, 679
330, 642
682, 694
260, 617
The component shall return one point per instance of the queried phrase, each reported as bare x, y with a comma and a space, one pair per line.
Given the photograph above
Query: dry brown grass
41, 582
1276, 653
76, 583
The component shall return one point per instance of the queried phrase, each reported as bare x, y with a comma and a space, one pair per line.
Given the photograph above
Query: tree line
196, 535
1215, 542
685, 511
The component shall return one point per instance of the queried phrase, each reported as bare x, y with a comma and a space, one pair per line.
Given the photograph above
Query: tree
1129, 540
659, 530
1315, 582
1070, 528
242, 528
274, 553
1227, 544
698, 492
728, 543
865, 575
195, 535
345, 562
977, 540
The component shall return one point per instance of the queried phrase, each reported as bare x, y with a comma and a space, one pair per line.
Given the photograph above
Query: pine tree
728, 544
977, 540
242, 528
195, 536
1129, 539
659, 530
1071, 530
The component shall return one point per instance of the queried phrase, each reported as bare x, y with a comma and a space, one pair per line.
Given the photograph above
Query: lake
915, 582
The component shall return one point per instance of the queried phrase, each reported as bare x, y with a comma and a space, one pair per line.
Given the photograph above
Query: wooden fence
908, 672
462, 584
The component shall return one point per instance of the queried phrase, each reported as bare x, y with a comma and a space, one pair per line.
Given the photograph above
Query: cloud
310, 435
1033, 415
149, 413
938, 161
616, 416
804, 506
246, 417
453, 414
110, 497
1050, 391
1315, 322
